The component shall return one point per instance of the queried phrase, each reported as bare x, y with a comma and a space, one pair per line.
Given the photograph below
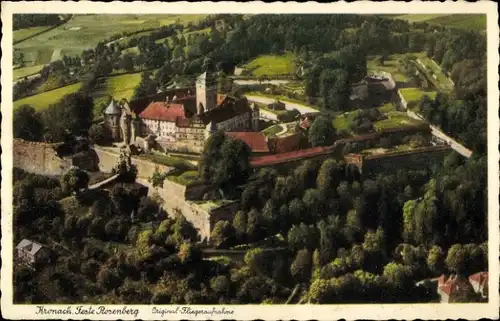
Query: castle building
184, 121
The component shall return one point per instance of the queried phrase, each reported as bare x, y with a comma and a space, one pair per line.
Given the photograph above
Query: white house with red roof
479, 282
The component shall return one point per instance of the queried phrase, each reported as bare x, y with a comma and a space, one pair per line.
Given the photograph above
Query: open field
47, 98
273, 130
414, 95
85, 31
26, 71
475, 22
271, 65
418, 17
342, 122
390, 66
185, 178
118, 87
24, 33
396, 120
433, 70
172, 161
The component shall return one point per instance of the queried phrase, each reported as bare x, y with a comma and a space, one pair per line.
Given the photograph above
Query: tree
301, 266
189, 253
223, 234
240, 223
398, 274
108, 279
225, 162
74, 180
335, 89
221, 285
435, 260
322, 132
72, 114
146, 87
128, 62
27, 124
456, 260
100, 134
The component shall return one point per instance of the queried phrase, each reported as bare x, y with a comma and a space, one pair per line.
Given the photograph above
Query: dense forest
20, 21
342, 235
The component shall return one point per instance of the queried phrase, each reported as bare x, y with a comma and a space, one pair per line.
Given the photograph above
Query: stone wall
422, 158
41, 158
108, 159
173, 198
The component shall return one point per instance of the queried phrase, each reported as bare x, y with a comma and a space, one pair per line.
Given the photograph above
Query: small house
31, 252
479, 282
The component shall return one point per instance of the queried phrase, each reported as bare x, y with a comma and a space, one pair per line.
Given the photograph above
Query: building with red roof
479, 282
453, 287
257, 141
290, 157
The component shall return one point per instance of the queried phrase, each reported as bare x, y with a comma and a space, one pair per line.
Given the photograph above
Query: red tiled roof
287, 157
255, 140
220, 98
479, 277
161, 111
305, 123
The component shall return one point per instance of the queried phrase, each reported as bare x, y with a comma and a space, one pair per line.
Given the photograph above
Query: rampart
41, 158
415, 159
109, 158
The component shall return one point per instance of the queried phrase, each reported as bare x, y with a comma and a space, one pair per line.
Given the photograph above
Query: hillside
475, 22
85, 31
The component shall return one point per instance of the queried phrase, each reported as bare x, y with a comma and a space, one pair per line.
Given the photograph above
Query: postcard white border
266, 312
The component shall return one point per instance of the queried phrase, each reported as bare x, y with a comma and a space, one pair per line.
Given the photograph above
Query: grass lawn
271, 65
47, 98
26, 71
84, 31
344, 121
185, 178
396, 119
418, 17
414, 95
119, 87
390, 66
24, 33
386, 108
475, 22
171, 161
273, 130
432, 68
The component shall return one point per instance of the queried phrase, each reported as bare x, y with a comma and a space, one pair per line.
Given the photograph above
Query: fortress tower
206, 92
112, 115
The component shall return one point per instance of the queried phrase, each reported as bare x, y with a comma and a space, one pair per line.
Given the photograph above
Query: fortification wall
108, 159
172, 195
39, 158
418, 159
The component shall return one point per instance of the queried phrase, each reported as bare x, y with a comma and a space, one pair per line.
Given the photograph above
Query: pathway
303, 109
436, 132
104, 182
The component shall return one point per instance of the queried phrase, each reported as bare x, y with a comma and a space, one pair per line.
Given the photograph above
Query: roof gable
162, 111
255, 140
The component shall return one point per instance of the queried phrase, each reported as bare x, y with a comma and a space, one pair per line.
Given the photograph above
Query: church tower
206, 92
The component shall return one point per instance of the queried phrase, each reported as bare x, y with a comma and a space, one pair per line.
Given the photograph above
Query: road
288, 105
28, 77
459, 148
